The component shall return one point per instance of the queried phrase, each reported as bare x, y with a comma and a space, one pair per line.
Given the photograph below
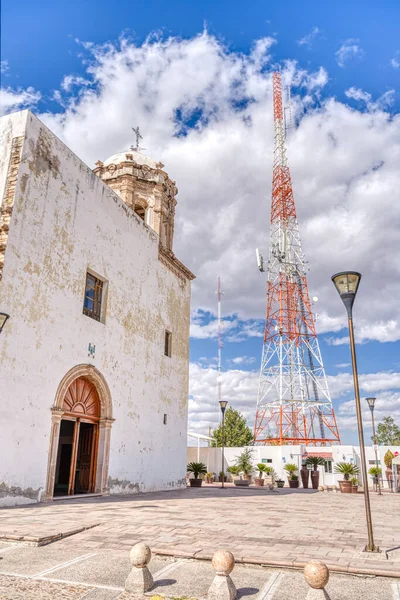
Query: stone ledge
33, 540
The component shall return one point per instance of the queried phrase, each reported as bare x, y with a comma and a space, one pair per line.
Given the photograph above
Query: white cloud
240, 388
384, 101
343, 365
243, 360
308, 39
348, 51
395, 61
4, 66
11, 100
73, 80
344, 165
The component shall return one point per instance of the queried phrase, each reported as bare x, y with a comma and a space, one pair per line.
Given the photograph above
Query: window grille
93, 297
328, 466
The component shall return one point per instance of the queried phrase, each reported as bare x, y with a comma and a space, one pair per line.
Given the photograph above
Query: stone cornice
168, 259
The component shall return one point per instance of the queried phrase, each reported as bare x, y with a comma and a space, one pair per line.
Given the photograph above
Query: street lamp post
371, 404
3, 318
347, 284
223, 404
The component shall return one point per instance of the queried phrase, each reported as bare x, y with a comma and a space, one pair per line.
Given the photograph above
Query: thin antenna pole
220, 344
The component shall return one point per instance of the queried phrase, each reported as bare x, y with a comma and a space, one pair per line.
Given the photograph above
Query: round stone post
316, 573
222, 587
139, 579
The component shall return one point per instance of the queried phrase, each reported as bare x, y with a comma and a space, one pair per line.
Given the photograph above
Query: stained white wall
64, 221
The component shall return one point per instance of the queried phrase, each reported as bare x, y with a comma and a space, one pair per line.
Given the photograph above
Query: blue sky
200, 89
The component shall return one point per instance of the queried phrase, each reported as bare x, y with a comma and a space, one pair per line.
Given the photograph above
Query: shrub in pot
315, 461
280, 483
197, 468
259, 481
222, 476
291, 469
269, 476
210, 477
244, 463
354, 485
234, 471
347, 470
376, 473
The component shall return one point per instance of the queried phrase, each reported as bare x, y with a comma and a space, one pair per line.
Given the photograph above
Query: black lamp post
347, 284
3, 318
371, 404
223, 404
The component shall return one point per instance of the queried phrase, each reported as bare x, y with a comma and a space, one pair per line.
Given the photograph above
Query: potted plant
222, 476
291, 469
375, 472
210, 477
280, 483
354, 485
347, 470
234, 471
245, 466
259, 481
389, 456
270, 475
197, 468
315, 461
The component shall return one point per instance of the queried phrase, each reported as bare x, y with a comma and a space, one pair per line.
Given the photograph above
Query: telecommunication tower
294, 405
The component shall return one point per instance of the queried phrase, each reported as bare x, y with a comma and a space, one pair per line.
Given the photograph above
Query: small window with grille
94, 292
167, 343
328, 466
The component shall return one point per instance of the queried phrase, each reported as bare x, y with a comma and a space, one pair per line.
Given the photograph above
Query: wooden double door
78, 441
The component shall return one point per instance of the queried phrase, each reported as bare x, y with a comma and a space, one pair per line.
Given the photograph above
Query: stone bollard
316, 573
139, 579
320, 488
334, 489
222, 587
325, 488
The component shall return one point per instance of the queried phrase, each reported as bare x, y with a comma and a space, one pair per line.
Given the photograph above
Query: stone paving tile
287, 524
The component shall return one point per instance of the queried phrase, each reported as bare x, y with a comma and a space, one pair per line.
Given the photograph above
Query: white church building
94, 356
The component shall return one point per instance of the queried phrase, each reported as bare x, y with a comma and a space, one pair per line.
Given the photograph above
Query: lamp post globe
346, 284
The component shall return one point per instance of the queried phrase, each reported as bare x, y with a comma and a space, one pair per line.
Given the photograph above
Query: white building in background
278, 456
94, 357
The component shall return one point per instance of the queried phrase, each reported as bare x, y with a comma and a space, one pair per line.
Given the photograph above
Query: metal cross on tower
138, 137
294, 404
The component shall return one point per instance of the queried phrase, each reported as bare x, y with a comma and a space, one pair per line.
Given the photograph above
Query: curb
31, 540
286, 564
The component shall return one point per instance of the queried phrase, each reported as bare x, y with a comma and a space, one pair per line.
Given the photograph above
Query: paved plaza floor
84, 543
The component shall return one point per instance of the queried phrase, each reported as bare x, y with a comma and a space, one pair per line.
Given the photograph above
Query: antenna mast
294, 405
220, 345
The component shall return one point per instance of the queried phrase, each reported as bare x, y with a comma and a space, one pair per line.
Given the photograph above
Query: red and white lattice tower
294, 404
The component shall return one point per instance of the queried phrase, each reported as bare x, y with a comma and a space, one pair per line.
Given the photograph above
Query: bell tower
144, 186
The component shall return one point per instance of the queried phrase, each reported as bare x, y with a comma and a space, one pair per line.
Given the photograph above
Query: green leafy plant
261, 468
197, 468
234, 470
389, 456
388, 432
236, 431
315, 461
222, 473
293, 477
290, 468
269, 471
375, 471
354, 481
346, 469
244, 461
210, 475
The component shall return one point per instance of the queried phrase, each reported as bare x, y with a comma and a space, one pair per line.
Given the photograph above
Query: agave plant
315, 461
346, 469
197, 468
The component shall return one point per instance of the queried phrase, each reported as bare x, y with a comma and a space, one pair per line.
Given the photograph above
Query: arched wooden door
77, 450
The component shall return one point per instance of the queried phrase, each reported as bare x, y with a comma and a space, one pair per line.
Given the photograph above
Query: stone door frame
106, 420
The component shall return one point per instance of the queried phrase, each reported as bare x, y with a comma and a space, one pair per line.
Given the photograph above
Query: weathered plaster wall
64, 221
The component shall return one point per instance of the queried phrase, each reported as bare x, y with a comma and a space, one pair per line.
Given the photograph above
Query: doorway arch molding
93, 375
